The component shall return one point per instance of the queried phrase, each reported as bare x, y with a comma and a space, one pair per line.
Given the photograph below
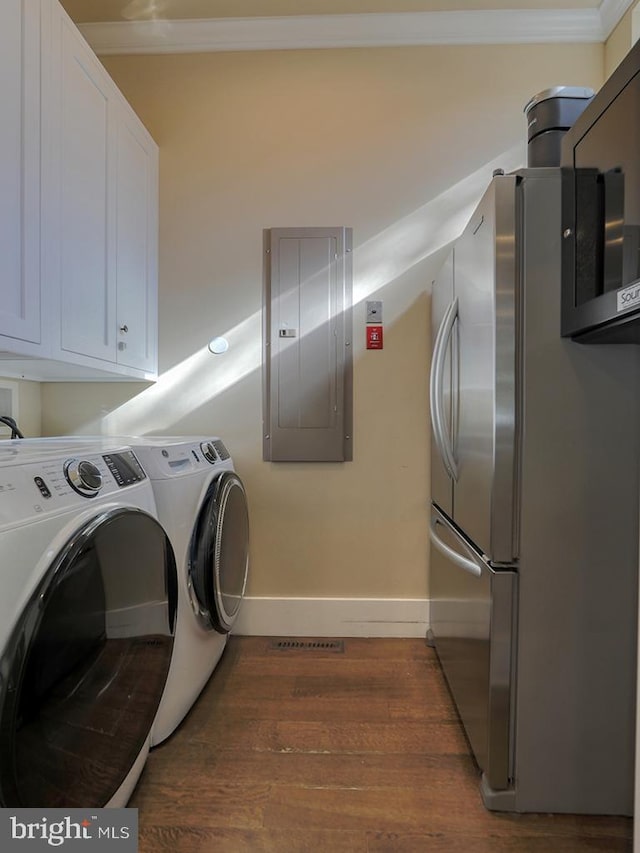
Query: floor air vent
288, 645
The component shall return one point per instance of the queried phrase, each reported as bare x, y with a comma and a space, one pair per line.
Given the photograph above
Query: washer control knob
83, 476
209, 452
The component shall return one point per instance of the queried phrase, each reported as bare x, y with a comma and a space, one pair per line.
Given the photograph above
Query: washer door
219, 554
84, 670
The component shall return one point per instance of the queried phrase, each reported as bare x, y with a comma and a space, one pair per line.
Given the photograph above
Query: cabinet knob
124, 329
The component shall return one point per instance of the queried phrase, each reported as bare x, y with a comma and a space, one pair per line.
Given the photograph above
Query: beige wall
29, 414
619, 43
393, 142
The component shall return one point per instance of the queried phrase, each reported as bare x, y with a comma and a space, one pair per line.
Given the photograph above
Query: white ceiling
182, 26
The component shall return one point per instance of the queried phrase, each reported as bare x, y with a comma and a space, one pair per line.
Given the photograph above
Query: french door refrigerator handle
462, 562
437, 366
436, 389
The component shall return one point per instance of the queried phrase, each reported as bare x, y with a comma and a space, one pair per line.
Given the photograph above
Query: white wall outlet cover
374, 311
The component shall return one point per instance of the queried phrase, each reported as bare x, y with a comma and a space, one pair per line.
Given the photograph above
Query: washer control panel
178, 458
209, 452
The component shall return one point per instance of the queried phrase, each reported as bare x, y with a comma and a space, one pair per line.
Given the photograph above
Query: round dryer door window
219, 560
85, 668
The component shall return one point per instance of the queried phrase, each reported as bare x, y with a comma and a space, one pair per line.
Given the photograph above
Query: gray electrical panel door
307, 352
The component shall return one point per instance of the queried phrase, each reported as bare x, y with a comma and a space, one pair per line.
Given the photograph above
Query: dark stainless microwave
601, 213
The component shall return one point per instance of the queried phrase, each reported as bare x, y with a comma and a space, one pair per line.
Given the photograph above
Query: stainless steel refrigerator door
472, 626
485, 287
440, 388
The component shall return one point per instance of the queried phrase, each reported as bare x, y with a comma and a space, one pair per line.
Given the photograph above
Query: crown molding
611, 12
401, 29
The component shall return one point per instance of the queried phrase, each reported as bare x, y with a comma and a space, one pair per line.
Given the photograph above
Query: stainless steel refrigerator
534, 516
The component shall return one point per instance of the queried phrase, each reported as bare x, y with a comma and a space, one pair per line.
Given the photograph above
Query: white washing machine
88, 599
202, 505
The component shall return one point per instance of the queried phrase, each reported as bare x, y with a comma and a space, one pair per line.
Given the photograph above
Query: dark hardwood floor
323, 752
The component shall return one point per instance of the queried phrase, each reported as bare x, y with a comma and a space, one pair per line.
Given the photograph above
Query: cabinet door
136, 242
86, 220
100, 214
20, 170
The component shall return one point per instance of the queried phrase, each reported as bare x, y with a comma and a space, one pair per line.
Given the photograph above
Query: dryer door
219, 554
84, 670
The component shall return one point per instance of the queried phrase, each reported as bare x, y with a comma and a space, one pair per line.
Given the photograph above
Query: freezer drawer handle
463, 562
436, 390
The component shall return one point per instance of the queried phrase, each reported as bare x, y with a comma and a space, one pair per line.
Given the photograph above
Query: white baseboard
333, 617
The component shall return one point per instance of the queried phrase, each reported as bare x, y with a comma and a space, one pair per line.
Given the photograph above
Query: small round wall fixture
218, 345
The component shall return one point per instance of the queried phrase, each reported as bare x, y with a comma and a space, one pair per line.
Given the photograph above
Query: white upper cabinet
136, 240
20, 329
82, 170
81, 207
103, 214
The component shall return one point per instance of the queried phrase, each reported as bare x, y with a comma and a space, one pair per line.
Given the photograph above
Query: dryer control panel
85, 477
55, 484
125, 468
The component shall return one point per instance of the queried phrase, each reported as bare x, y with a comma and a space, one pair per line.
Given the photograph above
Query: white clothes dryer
88, 599
202, 505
